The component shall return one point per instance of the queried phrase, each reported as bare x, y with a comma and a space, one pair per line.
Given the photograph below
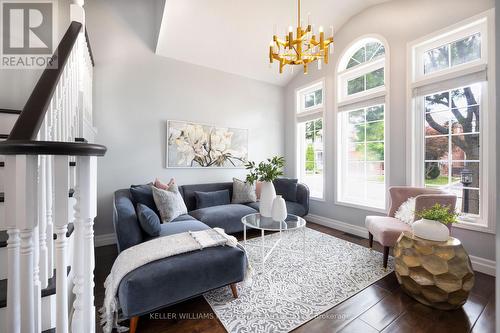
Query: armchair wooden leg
234, 290
370, 239
133, 324
386, 255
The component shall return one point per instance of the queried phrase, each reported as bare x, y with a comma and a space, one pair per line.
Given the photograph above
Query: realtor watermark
28, 34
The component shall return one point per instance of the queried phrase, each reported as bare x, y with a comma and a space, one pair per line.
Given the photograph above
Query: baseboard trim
479, 264
103, 240
342, 226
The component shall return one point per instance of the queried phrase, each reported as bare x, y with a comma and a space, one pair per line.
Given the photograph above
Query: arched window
361, 125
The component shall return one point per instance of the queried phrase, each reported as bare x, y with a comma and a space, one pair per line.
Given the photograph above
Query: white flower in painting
221, 140
191, 143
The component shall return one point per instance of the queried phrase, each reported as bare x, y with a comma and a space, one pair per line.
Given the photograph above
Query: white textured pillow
243, 192
406, 212
169, 203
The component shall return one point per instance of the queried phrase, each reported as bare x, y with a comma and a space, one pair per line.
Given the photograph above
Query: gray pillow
243, 192
169, 203
210, 199
287, 188
149, 221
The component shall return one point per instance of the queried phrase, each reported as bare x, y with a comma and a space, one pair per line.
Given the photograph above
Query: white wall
399, 22
136, 92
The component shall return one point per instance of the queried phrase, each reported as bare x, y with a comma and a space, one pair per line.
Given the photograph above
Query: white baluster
61, 184
21, 209
49, 201
86, 212
13, 323
37, 290
42, 222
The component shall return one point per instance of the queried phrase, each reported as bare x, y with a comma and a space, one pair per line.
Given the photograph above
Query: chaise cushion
227, 217
173, 279
143, 194
386, 230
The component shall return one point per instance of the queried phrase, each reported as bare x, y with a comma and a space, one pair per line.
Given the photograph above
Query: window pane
436, 174
373, 50
375, 79
356, 152
465, 120
468, 167
352, 62
356, 117
356, 85
467, 200
375, 172
362, 181
375, 113
375, 131
436, 148
436, 59
437, 102
375, 151
466, 50
437, 123
312, 156
467, 96
309, 101
359, 55
318, 96
357, 133
465, 147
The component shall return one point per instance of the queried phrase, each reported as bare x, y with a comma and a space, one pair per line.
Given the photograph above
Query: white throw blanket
155, 249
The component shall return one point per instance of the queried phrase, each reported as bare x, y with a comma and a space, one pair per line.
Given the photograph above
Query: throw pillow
143, 194
287, 188
148, 220
159, 184
169, 203
243, 192
406, 212
209, 199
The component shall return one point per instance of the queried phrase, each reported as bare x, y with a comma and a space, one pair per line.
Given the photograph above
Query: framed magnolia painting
194, 145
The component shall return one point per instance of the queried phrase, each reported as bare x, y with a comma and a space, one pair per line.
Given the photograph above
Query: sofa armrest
127, 230
303, 196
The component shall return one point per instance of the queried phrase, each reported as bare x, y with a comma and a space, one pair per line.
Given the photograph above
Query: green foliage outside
310, 164
439, 213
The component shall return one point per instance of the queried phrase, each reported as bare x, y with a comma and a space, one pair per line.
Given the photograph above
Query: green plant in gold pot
433, 223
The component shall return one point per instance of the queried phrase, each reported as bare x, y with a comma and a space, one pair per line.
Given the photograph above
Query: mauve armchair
387, 229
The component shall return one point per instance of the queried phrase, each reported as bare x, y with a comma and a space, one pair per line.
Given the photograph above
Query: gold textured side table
437, 274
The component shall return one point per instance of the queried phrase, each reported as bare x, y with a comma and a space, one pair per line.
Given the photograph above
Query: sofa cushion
243, 192
143, 194
214, 198
227, 217
170, 280
386, 230
291, 207
187, 191
127, 229
184, 217
287, 188
169, 203
181, 226
149, 221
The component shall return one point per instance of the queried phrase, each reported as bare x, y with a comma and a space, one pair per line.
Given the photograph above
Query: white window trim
487, 221
382, 92
304, 116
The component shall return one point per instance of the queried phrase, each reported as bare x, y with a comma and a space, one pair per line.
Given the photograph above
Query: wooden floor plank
358, 326
486, 321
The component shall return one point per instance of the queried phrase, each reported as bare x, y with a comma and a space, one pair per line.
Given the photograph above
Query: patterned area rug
294, 288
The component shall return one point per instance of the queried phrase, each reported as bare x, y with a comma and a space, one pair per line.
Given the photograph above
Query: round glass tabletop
257, 221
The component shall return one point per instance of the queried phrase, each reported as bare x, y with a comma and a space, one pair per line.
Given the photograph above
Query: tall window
310, 138
361, 118
451, 127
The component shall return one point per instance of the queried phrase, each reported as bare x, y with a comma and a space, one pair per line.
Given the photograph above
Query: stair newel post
21, 207
61, 218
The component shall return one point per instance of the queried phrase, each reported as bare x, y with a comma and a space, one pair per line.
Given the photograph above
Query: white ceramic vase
431, 230
279, 212
267, 195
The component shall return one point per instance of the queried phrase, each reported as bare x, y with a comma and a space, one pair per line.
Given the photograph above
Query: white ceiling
233, 35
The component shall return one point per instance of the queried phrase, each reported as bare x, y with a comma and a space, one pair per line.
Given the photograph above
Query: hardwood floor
382, 307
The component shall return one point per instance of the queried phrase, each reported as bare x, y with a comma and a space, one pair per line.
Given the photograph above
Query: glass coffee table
256, 221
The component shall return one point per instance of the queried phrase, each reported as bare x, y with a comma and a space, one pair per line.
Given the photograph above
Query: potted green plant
266, 172
433, 223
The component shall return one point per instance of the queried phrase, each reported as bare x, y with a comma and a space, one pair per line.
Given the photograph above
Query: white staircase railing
38, 178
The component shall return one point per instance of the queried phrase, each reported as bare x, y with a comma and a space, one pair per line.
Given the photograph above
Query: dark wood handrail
89, 48
29, 122
28, 147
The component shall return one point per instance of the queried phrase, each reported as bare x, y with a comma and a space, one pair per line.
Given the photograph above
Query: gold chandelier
301, 50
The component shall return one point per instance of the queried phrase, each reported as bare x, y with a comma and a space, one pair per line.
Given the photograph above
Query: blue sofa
174, 279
